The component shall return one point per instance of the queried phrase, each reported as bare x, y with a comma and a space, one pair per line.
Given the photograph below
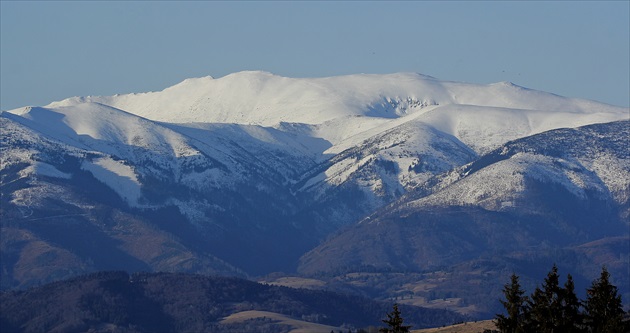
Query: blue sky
54, 50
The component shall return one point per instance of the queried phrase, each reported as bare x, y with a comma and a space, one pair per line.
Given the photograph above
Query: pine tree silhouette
515, 305
394, 322
604, 312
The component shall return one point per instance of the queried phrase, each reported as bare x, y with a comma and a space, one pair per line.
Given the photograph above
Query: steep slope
158, 149
378, 170
535, 200
59, 219
195, 198
589, 161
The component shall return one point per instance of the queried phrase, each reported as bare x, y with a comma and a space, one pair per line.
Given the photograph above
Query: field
298, 326
471, 327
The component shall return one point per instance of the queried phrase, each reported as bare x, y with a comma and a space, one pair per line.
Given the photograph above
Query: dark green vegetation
170, 302
395, 323
555, 308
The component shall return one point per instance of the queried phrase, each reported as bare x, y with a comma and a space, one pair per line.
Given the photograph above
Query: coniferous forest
554, 307
116, 301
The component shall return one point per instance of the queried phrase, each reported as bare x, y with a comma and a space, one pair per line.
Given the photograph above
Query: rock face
254, 173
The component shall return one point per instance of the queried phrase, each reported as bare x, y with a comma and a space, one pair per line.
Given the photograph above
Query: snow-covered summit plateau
482, 115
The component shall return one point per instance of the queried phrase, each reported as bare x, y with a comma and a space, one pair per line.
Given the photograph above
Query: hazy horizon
55, 50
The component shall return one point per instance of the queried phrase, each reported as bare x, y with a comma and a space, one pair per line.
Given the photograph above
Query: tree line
554, 308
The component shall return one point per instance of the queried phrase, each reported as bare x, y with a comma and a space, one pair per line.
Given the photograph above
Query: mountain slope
588, 161
476, 114
536, 199
564, 180
45, 178
266, 99
245, 174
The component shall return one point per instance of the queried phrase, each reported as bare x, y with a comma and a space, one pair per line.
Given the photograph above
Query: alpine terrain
400, 187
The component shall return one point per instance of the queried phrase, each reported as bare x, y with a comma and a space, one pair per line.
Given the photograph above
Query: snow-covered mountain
262, 98
533, 202
246, 173
571, 183
304, 123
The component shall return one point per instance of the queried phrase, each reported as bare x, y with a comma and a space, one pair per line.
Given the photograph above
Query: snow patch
119, 177
43, 169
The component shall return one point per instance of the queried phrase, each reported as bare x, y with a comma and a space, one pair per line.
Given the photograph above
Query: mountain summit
264, 99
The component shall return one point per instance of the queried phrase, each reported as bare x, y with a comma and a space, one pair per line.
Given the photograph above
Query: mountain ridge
246, 174
149, 302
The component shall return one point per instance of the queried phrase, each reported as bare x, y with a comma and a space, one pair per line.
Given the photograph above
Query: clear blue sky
54, 50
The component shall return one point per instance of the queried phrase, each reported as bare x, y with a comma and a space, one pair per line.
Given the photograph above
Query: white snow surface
43, 169
118, 176
463, 110
500, 185
101, 127
289, 125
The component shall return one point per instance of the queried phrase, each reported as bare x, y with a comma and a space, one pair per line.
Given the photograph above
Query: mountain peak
197, 79
463, 110
251, 73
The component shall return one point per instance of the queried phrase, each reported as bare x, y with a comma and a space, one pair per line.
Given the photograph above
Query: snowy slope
52, 170
103, 128
391, 162
132, 141
265, 99
555, 173
138, 158
304, 122
587, 162
486, 128
377, 134
532, 202
382, 133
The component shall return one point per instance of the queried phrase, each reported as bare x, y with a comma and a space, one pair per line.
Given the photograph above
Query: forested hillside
167, 302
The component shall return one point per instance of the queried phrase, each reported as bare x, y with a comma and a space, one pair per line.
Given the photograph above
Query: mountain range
389, 186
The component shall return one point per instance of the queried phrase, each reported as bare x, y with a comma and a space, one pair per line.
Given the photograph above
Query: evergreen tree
604, 312
545, 308
394, 322
514, 304
571, 318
